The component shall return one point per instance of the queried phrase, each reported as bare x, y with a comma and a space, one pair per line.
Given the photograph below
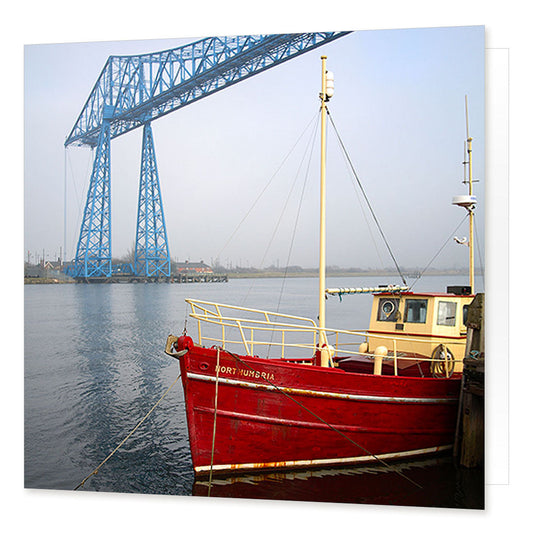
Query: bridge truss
131, 92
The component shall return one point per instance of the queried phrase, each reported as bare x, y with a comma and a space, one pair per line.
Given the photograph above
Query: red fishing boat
326, 396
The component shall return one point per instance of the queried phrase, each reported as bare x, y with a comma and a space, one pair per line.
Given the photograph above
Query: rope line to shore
214, 426
392, 467
95, 471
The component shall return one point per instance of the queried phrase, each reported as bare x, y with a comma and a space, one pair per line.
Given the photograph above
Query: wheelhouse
403, 320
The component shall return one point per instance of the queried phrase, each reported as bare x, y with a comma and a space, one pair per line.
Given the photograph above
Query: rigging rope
79, 199
480, 256
264, 190
399, 472
284, 208
439, 251
95, 471
297, 216
284, 279
365, 196
363, 212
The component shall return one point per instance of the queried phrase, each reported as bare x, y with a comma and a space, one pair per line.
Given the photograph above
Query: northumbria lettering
243, 372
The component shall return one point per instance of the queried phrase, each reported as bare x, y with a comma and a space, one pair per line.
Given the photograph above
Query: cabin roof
425, 294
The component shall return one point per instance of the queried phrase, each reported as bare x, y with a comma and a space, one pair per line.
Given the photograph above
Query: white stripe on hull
321, 394
323, 462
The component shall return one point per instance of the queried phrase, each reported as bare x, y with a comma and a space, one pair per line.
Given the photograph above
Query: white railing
290, 335
253, 328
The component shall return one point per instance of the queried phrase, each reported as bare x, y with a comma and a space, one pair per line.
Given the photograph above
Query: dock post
469, 436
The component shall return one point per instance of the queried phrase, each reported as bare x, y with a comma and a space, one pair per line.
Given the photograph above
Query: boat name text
243, 372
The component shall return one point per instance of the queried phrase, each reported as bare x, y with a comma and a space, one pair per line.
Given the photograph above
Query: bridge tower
93, 253
132, 91
152, 257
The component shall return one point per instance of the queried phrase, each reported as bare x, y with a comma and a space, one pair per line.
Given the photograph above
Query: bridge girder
134, 90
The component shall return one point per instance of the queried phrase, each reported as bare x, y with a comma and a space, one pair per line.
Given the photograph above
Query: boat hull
270, 414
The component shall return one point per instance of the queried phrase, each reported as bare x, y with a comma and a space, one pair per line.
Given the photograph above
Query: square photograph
254, 267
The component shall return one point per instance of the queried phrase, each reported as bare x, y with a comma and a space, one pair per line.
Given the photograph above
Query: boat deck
365, 365
407, 365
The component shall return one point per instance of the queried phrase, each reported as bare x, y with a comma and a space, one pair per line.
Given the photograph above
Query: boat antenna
471, 210
466, 116
468, 202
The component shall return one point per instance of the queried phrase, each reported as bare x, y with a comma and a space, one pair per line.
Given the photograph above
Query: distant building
33, 271
193, 268
53, 265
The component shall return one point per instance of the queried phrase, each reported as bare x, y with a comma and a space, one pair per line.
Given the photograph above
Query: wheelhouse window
416, 311
446, 313
387, 309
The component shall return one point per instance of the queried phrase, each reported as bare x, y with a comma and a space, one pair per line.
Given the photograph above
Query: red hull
272, 413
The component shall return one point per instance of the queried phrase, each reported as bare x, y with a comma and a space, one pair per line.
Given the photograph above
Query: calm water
94, 366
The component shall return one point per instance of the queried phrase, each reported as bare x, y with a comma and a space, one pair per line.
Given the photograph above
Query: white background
508, 472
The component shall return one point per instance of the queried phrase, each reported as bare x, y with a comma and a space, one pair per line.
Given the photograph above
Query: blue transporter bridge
131, 92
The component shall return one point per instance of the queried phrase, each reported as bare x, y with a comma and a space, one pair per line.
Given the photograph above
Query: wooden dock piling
470, 432
174, 278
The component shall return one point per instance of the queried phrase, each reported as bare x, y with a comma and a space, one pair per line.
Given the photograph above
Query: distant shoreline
339, 273
277, 274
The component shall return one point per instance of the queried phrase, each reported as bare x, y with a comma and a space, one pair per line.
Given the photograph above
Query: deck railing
292, 337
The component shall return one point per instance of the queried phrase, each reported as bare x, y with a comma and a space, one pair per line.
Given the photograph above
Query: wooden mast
324, 354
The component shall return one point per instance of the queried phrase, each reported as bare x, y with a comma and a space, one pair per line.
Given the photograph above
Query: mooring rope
95, 471
399, 472
214, 424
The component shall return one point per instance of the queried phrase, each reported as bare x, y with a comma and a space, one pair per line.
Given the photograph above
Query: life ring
442, 362
388, 307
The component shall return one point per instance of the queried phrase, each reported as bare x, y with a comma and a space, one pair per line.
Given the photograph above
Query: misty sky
398, 106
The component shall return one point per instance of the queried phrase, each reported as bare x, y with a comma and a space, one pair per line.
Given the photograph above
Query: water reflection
443, 485
94, 366
121, 345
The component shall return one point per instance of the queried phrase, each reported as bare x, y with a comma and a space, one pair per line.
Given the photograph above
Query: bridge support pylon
93, 252
152, 257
